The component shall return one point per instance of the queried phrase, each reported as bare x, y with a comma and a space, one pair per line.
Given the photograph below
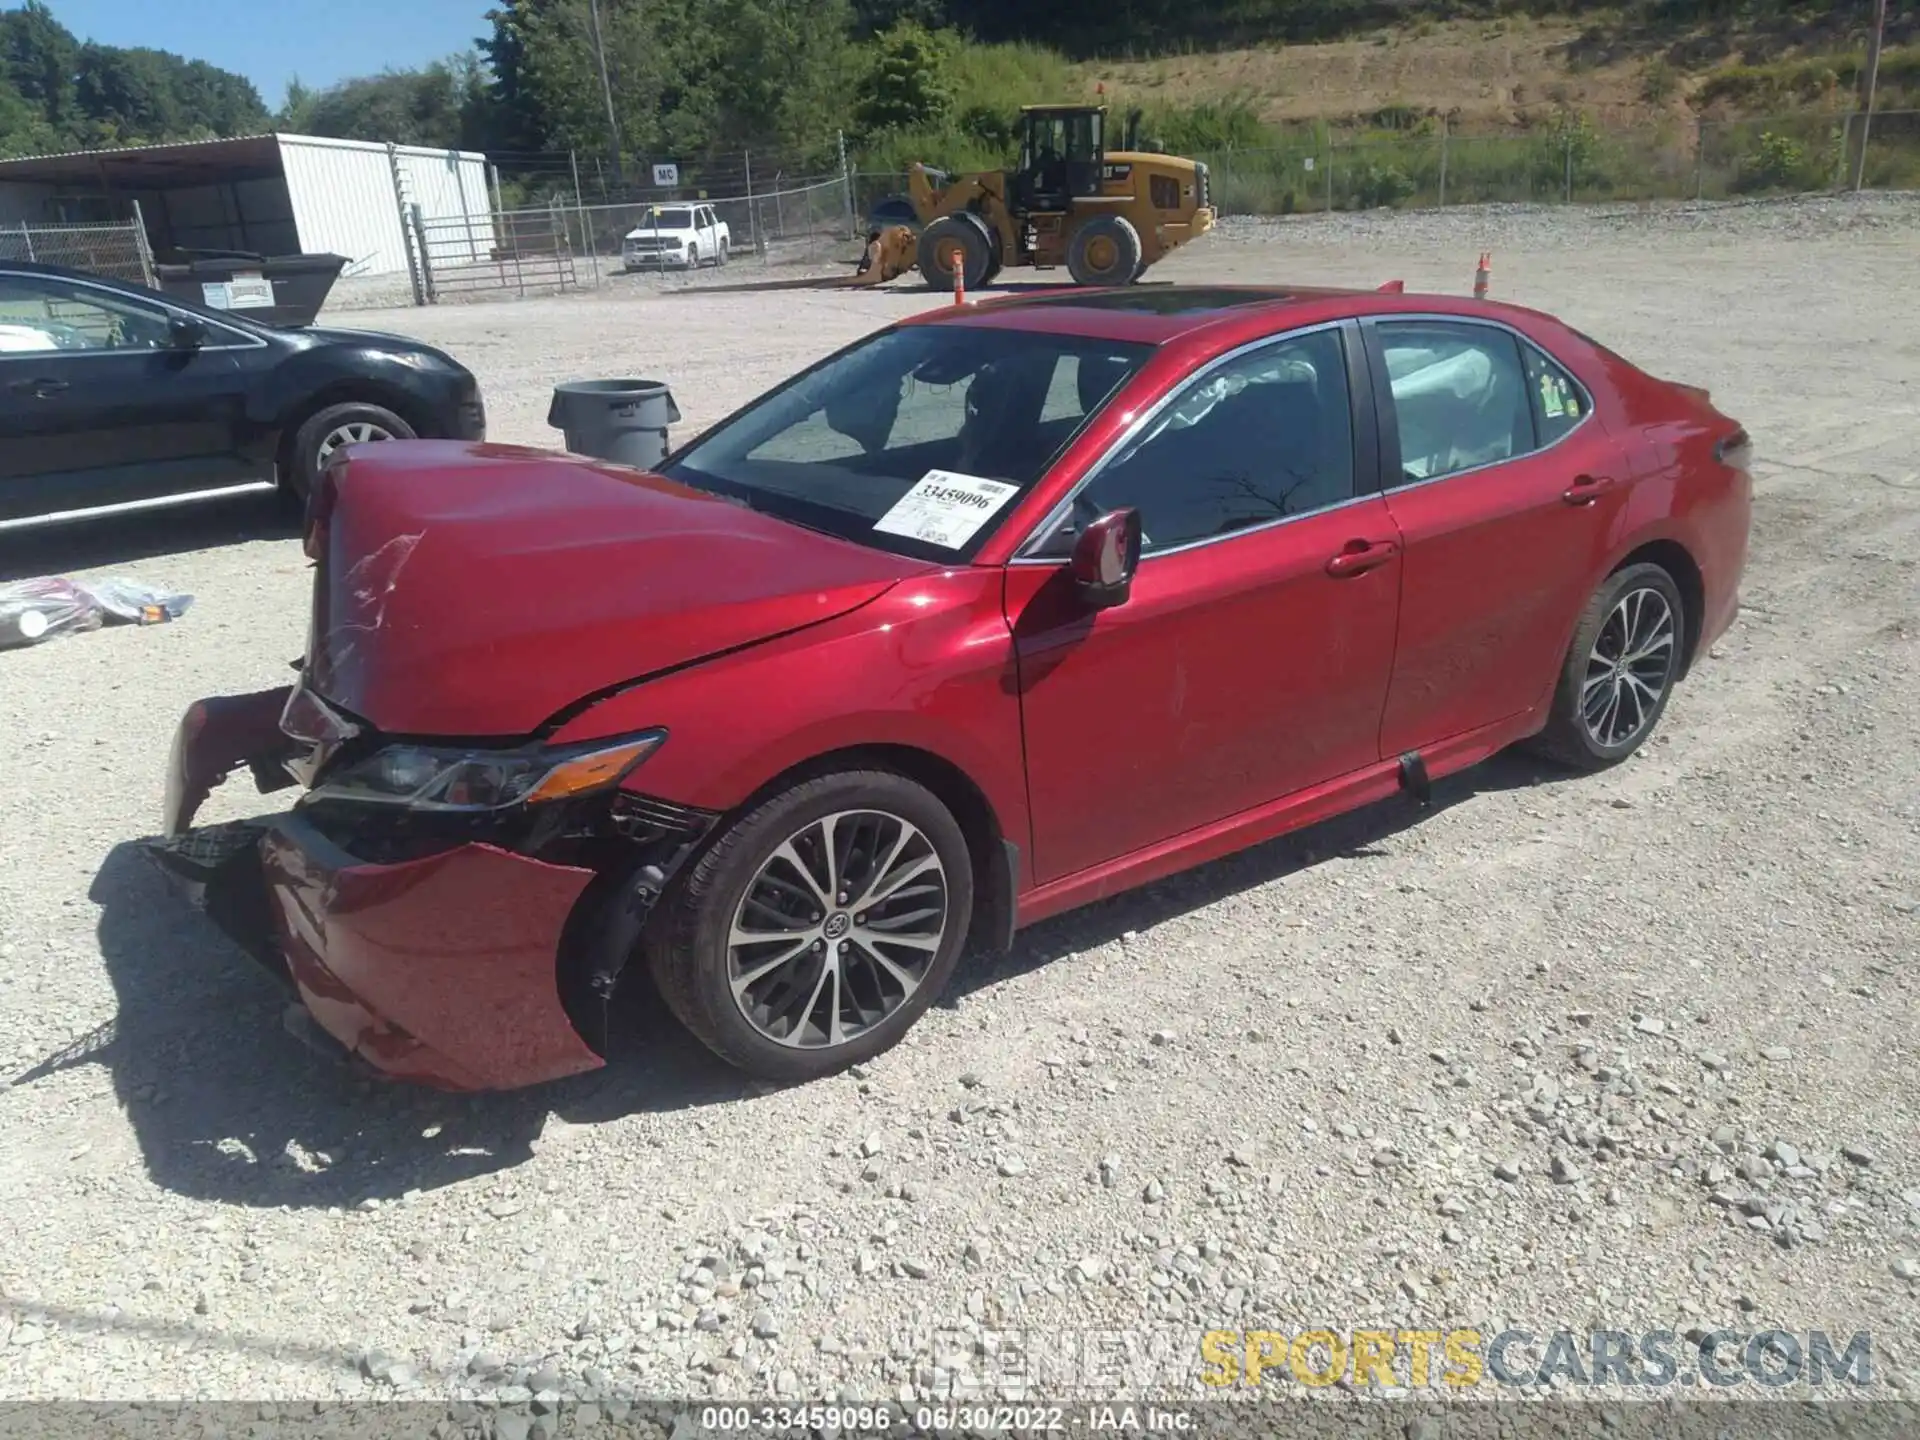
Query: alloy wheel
354, 432
1629, 668
837, 929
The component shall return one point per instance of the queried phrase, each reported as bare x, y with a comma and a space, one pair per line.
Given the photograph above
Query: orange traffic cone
958, 259
1483, 275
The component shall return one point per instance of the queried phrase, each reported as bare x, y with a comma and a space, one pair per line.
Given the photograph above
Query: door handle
1357, 557
40, 389
1586, 489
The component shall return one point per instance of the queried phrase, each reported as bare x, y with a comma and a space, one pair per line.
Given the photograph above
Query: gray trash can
620, 420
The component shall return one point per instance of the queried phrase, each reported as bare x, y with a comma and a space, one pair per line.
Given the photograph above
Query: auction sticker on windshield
945, 508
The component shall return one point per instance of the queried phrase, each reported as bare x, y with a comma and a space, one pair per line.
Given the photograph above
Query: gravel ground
1635, 1051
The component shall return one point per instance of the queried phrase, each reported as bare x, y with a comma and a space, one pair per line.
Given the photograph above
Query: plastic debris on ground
36, 610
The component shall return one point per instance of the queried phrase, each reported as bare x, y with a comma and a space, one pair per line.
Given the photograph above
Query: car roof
1159, 314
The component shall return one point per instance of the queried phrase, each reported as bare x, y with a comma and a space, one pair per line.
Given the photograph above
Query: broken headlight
426, 777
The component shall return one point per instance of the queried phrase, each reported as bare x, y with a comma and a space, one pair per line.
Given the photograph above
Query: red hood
475, 590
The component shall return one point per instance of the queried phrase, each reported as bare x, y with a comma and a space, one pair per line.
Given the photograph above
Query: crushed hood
476, 590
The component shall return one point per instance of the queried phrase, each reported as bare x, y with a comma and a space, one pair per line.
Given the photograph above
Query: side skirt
1280, 817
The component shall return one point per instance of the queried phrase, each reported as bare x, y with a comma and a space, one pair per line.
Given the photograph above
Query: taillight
1735, 451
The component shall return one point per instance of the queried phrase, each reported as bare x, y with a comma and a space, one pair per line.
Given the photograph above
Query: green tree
23, 128
511, 117
125, 96
219, 100
871, 17
40, 56
295, 114
908, 84
662, 57
786, 66
135, 96
436, 105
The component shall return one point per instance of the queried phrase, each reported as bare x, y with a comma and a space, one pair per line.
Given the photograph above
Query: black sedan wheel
819, 927
331, 430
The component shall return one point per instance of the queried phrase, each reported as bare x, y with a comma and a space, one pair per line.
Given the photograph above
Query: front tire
965, 232
1105, 251
819, 927
1619, 672
328, 431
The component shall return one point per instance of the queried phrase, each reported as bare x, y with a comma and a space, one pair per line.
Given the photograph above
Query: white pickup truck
680, 237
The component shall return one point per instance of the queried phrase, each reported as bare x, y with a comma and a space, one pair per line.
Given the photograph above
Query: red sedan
996, 612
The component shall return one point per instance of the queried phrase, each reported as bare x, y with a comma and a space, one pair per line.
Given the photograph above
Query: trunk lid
476, 590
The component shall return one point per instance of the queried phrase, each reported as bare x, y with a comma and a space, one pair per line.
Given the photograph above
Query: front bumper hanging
443, 968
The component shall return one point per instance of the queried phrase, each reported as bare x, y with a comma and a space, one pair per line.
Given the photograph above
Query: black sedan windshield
918, 440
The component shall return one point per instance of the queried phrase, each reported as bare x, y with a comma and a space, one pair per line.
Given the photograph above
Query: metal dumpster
280, 290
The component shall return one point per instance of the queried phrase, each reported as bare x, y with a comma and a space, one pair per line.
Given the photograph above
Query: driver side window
1264, 437
41, 315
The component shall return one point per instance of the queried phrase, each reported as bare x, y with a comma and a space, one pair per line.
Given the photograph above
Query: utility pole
606, 83
1873, 81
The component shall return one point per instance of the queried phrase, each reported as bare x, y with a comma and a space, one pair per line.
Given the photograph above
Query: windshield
918, 440
667, 220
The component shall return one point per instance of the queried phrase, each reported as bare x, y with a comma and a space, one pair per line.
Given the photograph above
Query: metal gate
523, 252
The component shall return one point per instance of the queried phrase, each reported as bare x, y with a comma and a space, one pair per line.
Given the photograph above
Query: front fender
928, 666
365, 373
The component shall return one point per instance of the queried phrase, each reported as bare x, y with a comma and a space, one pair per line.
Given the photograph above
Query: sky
269, 41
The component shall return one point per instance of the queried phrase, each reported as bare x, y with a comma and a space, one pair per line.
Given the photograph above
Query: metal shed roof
152, 167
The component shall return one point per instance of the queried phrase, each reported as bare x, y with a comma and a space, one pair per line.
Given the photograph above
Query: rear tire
1105, 251
1619, 672
330, 430
720, 260
969, 233
833, 990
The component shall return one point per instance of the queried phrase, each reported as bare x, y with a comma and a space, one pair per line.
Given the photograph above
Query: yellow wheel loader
1104, 215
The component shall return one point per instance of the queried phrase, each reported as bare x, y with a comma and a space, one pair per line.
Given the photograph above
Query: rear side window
1559, 403
1460, 396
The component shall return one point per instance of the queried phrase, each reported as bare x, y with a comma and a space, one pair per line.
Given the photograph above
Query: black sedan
114, 398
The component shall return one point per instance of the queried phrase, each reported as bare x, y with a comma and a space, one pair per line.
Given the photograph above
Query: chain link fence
564, 244
1313, 169
559, 221
117, 251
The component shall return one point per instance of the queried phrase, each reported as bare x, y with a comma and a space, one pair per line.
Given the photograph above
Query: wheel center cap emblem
838, 923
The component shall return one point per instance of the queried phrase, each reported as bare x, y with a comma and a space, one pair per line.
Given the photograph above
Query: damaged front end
219, 865
454, 915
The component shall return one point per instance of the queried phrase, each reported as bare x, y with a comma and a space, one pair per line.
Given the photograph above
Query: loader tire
1105, 251
937, 241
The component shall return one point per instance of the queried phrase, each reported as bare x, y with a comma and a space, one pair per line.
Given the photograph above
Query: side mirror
1105, 557
186, 333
